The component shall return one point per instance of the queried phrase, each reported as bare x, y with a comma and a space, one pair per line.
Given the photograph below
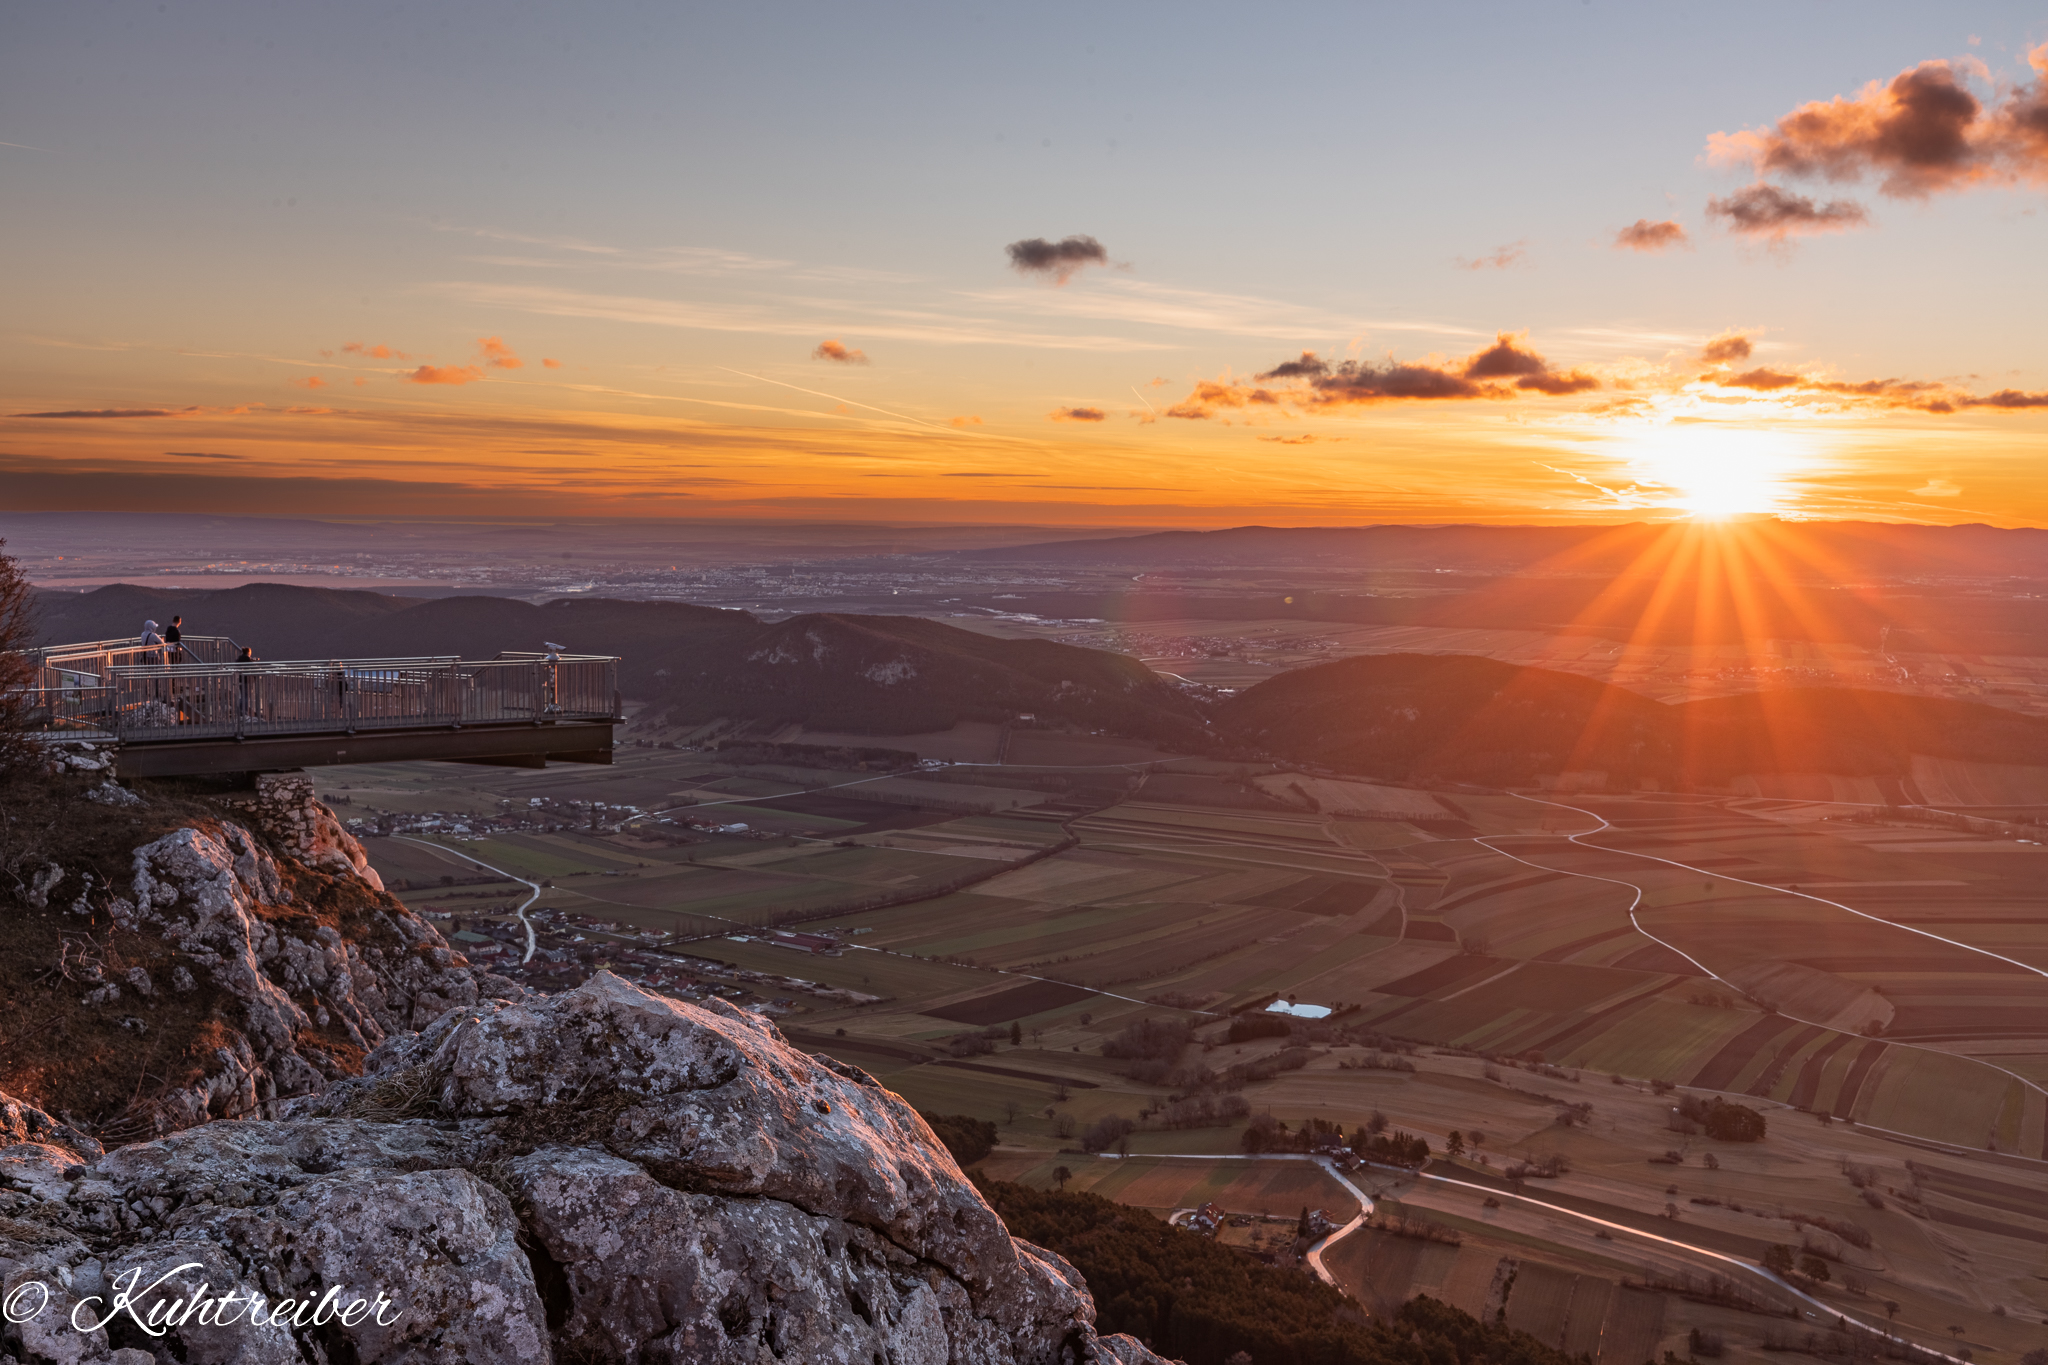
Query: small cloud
1558, 385
1938, 488
1726, 349
1773, 214
1514, 253
839, 351
1078, 415
360, 381
311, 381
495, 353
1294, 440
1060, 261
1644, 235
202, 455
445, 374
551, 362
967, 421
1161, 382
378, 352
1763, 381
977, 476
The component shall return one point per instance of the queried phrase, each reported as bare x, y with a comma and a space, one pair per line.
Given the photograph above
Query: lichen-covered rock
311, 1001
21, 1121
602, 1175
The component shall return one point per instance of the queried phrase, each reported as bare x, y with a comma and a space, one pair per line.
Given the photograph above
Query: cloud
1505, 359
2010, 399
1209, 396
1917, 394
378, 352
1298, 440
1060, 261
1078, 415
1559, 385
1644, 235
445, 374
551, 362
1938, 488
1764, 381
115, 412
1923, 132
969, 421
311, 381
495, 353
202, 455
1514, 253
1311, 382
839, 351
1726, 348
1766, 211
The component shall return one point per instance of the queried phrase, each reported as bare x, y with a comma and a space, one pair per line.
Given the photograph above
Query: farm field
1875, 990
1163, 1184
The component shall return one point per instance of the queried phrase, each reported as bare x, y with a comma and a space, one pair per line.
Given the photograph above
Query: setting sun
1716, 470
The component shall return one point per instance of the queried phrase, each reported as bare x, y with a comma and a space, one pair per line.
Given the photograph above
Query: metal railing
95, 691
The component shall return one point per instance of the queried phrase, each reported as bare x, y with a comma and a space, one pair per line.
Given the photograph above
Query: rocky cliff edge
601, 1175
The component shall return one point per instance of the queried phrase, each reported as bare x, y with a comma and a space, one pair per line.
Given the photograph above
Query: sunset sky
1079, 264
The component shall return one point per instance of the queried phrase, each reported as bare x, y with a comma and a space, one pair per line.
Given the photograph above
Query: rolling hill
1450, 716
1479, 720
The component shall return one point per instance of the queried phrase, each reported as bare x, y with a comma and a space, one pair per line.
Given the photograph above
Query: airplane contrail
815, 393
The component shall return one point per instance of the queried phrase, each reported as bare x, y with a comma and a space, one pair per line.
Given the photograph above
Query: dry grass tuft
412, 1092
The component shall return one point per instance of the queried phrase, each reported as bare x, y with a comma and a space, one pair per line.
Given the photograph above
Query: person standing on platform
174, 637
151, 644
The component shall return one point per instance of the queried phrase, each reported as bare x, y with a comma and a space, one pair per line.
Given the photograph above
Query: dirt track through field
1708, 971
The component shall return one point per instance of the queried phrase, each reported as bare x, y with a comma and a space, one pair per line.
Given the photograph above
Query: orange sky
707, 269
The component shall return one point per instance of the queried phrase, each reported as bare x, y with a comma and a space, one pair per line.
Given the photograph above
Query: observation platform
194, 709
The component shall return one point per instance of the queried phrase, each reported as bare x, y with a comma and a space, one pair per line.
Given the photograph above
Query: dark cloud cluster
1500, 371
1058, 261
1767, 212
1644, 235
1918, 395
1922, 132
1078, 415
